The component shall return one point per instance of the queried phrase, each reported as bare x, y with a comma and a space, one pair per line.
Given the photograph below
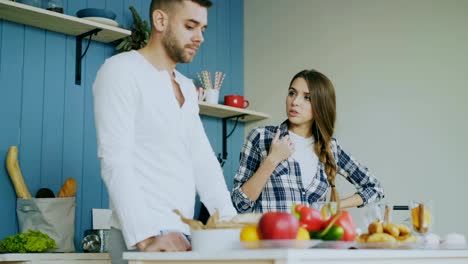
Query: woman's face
298, 106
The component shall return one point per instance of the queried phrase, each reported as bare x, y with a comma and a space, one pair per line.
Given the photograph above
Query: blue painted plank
12, 43
92, 182
73, 127
52, 128
117, 8
96, 3
32, 107
1, 38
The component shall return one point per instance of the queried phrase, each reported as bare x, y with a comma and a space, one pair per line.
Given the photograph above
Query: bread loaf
16, 176
68, 188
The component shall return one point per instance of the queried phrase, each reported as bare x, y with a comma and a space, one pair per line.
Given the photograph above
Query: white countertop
307, 256
53, 256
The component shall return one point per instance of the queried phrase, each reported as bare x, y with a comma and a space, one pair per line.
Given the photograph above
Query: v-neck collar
177, 78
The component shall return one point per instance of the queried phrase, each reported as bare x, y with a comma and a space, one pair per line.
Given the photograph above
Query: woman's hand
165, 243
280, 149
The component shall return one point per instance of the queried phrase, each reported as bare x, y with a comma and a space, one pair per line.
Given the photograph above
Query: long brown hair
323, 104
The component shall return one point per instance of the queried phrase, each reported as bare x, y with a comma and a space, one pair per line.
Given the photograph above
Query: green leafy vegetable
32, 241
140, 34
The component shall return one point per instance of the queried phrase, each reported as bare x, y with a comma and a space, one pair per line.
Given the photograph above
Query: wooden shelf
53, 21
223, 111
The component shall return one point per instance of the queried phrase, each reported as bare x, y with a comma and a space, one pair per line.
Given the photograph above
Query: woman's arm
368, 187
253, 174
280, 150
352, 201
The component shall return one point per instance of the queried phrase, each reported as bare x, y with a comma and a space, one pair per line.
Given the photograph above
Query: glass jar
54, 5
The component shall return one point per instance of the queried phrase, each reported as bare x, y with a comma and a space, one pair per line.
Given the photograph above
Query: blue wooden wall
50, 118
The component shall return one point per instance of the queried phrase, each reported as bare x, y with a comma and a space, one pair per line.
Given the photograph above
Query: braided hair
323, 104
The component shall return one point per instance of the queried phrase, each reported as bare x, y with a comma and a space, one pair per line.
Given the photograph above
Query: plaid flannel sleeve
250, 160
368, 187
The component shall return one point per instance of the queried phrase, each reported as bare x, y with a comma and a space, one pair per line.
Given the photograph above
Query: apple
278, 225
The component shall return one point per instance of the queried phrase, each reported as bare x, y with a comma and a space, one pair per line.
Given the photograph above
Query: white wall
400, 70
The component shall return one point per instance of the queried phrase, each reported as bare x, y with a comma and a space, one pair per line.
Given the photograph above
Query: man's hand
165, 243
280, 149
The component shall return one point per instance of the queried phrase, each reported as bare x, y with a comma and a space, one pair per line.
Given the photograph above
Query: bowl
215, 239
96, 12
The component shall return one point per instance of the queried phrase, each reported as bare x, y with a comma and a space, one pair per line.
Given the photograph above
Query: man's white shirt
154, 154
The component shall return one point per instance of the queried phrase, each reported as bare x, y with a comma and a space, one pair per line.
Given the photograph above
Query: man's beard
174, 49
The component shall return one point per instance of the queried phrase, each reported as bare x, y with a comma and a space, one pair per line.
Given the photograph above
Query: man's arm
169, 242
209, 178
115, 103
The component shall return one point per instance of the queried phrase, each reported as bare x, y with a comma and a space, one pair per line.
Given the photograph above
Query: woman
297, 161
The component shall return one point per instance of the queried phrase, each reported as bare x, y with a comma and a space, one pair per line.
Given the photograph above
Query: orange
302, 234
249, 233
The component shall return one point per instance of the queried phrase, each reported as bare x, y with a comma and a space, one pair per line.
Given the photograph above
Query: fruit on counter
335, 233
331, 231
16, 176
375, 227
345, 221
68, 188
339, 226
278, 225
249, 233
391, 232
309, 218
302, 234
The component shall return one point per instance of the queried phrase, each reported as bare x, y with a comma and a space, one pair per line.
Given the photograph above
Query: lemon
302, 234
249, 233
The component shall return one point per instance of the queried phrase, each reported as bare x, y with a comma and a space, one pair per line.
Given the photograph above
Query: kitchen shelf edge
224, 111
53, 21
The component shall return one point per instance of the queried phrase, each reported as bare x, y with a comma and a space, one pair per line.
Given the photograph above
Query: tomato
278, 225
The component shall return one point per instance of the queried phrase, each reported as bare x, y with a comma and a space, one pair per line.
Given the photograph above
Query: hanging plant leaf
140, 34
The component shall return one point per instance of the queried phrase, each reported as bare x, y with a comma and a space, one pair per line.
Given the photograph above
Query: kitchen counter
56, 258
299, 256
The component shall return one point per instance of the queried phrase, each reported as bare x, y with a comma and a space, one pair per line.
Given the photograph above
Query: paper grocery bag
52, 216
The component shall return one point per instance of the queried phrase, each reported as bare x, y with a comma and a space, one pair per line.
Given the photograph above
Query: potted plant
140, 34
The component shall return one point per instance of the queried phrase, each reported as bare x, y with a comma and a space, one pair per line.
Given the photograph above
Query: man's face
184, 33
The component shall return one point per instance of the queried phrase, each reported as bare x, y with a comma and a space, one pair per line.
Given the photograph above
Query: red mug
236, 101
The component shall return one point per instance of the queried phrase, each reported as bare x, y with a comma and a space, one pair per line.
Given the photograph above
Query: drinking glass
422, 216
327, 209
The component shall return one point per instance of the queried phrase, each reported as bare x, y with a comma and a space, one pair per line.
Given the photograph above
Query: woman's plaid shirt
284, 186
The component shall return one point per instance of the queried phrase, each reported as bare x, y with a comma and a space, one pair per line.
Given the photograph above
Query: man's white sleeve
115, 104
210, 181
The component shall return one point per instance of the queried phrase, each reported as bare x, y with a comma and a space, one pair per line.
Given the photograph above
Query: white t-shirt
154, 154
305, 155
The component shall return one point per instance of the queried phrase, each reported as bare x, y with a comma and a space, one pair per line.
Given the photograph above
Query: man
155, 155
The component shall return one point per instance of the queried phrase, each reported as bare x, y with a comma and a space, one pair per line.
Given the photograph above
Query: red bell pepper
309, 218
346, 222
